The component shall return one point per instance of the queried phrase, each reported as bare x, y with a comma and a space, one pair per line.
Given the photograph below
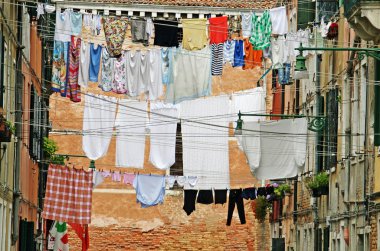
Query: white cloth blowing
98, 123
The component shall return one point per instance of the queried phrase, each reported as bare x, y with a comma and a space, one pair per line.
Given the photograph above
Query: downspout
18, 125
318, 136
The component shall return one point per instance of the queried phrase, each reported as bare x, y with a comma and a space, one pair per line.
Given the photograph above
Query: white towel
98, 123
130, 141
155, 86
279, 20
162, 134
250, 101
205, 147
281, 150
191, 75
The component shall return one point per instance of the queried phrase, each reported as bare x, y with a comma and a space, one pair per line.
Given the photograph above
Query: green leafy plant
261, 206
10, 126
282, 190
50, 148
319, 184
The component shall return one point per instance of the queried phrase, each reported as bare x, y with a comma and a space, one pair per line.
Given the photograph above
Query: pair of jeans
284, 74
235, 198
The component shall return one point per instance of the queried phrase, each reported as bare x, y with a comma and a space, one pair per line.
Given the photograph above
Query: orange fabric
252, 58
218, 29
82, 232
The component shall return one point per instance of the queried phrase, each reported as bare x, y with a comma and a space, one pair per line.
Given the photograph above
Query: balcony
364, 18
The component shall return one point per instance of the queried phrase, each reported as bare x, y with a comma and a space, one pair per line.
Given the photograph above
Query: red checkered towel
68, 195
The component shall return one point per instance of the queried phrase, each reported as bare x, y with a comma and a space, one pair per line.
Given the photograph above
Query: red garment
73, 86
252, 58
82, 232
218, 29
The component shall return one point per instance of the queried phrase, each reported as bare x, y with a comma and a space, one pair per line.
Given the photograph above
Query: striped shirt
217, 59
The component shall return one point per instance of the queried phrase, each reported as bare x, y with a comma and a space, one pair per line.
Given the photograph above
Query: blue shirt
239, 53
150, 189
95, 54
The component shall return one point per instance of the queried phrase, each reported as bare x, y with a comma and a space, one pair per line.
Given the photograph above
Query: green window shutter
306, 13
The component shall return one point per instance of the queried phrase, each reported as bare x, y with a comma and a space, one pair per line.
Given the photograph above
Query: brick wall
373, 234
120, 224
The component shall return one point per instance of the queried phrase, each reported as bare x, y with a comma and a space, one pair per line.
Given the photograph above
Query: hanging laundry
291, 146
235, 198
181, 180
220, 196
194, 34
74, 53
130, 140
76, 23
333, 31
128, 178
63, 27
134, 80
116, 177
292, 42
217, 59
246, 24
40, 10
163, 128
279, 20
279, 52
167, 61
170, 180
249, 193
191, 75
98, 179
206, 156
261, 31
26, 32
115, 30
144, 71
95, 55
192, 180
324, 28
303, 38
234, 25
284, 74
261, 191
149, 28
189, 197
92, 30
68, 195
106, 80
205, 197
98, 122
82, 233
61, 238
239, 53
218, 29
166, 33
49, 8
154, 85
252, 58
250, 102
229, 51
267, 52
59, 68
119, 84
139, 32
150, 189
84, 65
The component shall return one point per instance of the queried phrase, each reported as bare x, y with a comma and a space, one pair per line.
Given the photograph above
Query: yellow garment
194, 34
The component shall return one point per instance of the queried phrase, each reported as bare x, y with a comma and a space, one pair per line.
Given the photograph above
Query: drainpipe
18, 125
318, 136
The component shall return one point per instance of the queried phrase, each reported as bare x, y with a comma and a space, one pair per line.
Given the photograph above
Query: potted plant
319, 185
260, 208
282, 190
50, 148
6, 130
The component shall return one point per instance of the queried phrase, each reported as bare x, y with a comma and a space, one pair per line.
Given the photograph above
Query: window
306, 13
331, 129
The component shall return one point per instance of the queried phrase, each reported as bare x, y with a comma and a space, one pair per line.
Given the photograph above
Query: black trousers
235, 198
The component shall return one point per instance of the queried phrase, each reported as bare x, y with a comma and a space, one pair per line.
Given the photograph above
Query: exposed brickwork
373, 234
167, 227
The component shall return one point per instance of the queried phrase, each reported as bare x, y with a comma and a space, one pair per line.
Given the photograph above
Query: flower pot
324, 190
5, 133
315, 192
